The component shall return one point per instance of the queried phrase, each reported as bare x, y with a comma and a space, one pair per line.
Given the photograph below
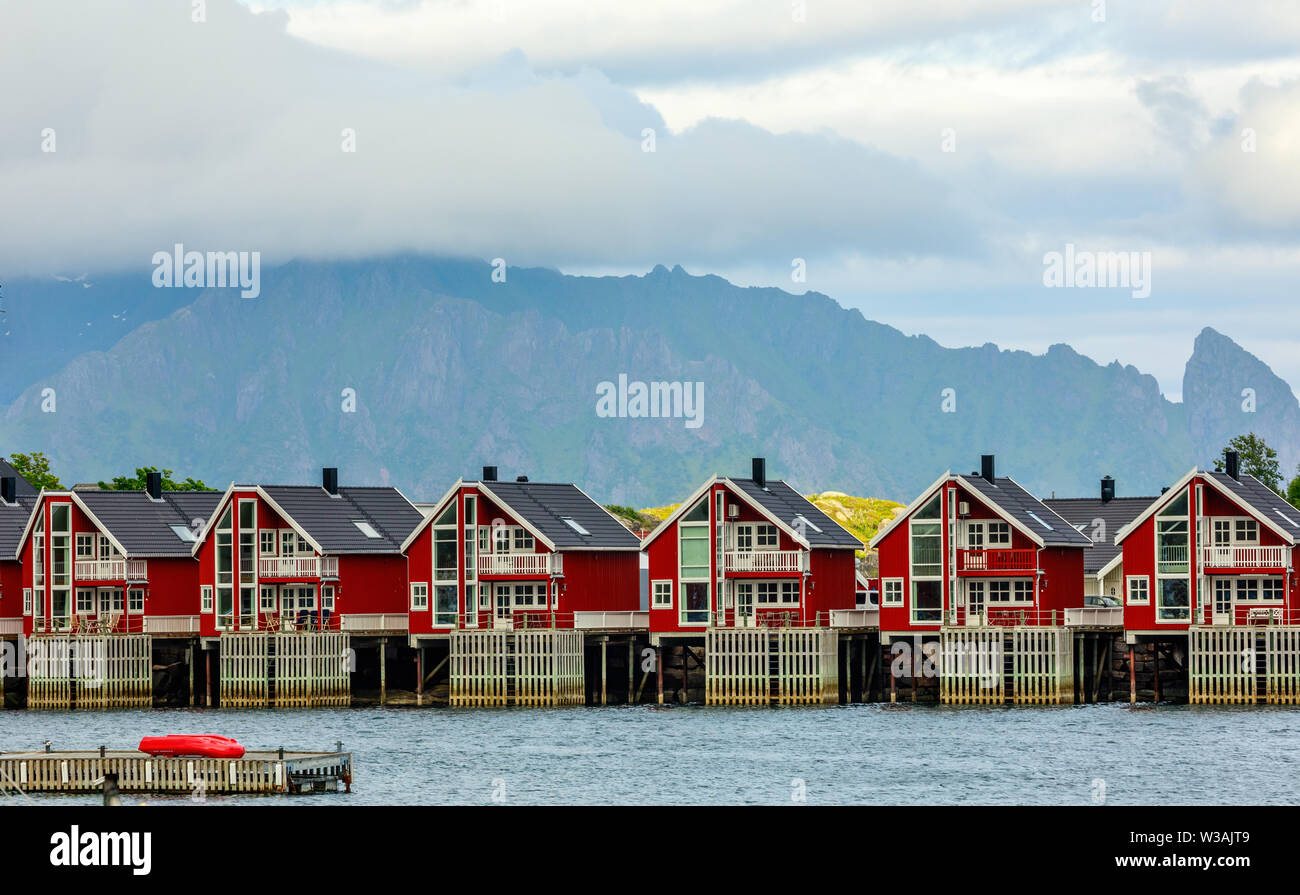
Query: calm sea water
900, 754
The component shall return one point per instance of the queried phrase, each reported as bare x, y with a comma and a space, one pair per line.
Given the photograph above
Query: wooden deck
256, 772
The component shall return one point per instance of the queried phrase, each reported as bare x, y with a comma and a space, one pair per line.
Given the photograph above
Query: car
1101, 602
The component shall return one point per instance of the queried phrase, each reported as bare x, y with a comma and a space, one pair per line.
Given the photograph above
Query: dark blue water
925, 755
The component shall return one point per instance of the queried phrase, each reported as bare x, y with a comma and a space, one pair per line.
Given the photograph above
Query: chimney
1107, 489
759, 467
489, 473
1164, 489
521, 478
8, 489
986, 468
329, 479
153, 484
1232, 460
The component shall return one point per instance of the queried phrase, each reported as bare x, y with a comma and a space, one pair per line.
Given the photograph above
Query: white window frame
891, 591
27, 601
327, 598
659, 599
419, 596
1145, 581
93, 606
131, 606
206, 599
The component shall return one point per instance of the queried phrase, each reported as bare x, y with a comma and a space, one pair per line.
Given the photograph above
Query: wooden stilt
383, 670
869, 668
604, 667
1155, 659
1080, 684
1132, 677
659, 666
189, 660
631, 655
893, 684
207, 678
419, 675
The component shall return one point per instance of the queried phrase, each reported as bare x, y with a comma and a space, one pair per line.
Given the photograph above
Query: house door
744, 604
1223, 601
974, 603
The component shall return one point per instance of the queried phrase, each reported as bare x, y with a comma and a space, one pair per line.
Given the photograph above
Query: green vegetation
1257, 459
35, 467
636, 520
137, 482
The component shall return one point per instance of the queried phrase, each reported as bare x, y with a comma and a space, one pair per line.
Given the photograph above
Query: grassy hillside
860, 515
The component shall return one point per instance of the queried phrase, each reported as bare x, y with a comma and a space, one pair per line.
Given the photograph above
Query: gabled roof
542, 508
22, 487
330, 522
1249, 493
1035, 518
780, 504
1026, 513
1114, 514
13, 525
141, 528
786, 505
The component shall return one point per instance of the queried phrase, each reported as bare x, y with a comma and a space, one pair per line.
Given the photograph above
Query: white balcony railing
171, 624
11, 625
1245, 557
521, 563
298, 567
615, 619
766, 561
855, 618
112, 570
381, 622
1095, 616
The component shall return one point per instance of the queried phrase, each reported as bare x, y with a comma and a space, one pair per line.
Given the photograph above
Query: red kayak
178, 745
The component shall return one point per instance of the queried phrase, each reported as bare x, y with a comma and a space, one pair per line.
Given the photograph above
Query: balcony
112, 570
298, 567
375, 623
1245, 557
766, 561
612, 620
171, 624
532, 564
1019, 560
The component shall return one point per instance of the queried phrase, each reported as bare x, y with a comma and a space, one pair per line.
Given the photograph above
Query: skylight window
366, 528
802, 522
575, 525
1286, 517
185, 533
1034, 516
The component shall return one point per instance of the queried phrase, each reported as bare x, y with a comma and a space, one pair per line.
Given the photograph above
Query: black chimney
153, 484
759, 467
1232, 460
329, 479
1107, 489
1164, 489
521, 478
986, 468
9, 489
489, 473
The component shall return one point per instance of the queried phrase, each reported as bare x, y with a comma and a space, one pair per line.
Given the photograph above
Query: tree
1293, 489
35, 467
138, 482
1257, 459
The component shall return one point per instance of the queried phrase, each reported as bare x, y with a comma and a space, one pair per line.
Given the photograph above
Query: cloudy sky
920, 157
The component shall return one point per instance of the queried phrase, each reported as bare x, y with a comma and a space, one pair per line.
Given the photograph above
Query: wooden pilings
762, 666
285, 668
1243, 666
1030, 665
89, 671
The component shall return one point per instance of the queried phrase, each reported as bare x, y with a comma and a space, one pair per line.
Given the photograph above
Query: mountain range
415, 370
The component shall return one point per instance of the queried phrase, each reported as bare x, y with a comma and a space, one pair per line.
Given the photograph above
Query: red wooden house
304, 557
17, 498
518, 554
113, 561
976, 550
746, 551
1218, 548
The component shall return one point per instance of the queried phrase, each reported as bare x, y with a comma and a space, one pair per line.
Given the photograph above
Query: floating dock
256, 772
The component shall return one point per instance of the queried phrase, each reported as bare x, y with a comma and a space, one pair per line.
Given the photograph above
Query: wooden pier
256, 772
1243, 666
543, 667
771, 666
1030, 665
285, 668
89, 671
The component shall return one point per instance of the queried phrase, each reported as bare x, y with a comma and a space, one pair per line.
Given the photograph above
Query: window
1007, 592
1271, 589
663, 595
444, 604
927, 549
575, 525
85, 602
1174, 600
1139, 591
776, 593
247, 543
444, 554
891, 592
803, 524
695, 603
419, 596
27, 601
135, 599
225, 556
268, 598
268, 540
1246, 531
471, 559
693, 551
523, 540
366, 529
185, 533
756, 536
205, 598
85, 546
998, 534
927, 602
327, 597
288, 540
